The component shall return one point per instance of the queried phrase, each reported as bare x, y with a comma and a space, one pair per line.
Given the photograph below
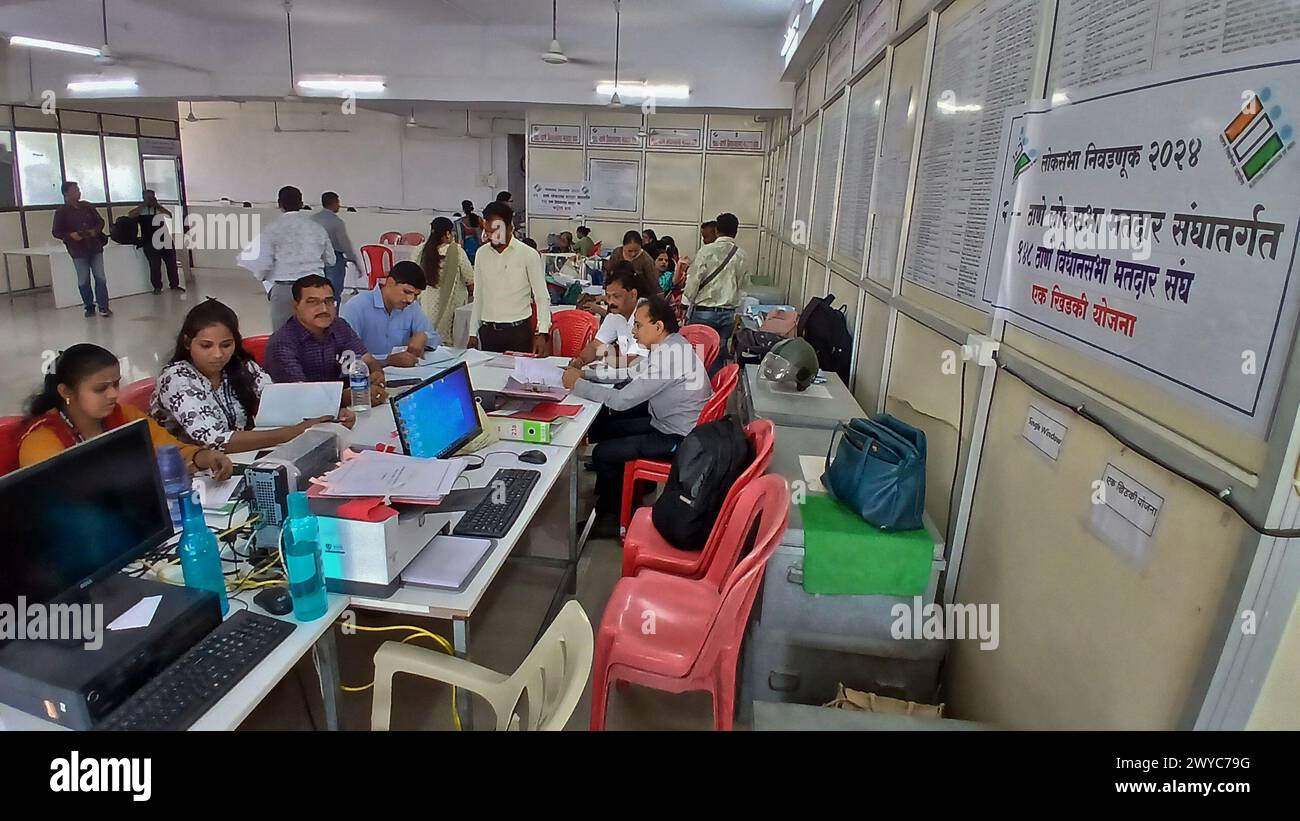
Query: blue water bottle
199, 554
176, 481
302, 561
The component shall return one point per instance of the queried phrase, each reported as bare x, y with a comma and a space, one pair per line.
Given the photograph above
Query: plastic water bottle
302, 561
176, 481
359, 384
200, 556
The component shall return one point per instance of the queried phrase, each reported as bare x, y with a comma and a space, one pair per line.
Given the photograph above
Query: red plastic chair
137, 394
11, 434
391, 238
706, 341
699, 624
571, 331
376, 262
256, 347
651, 470
597, 248
644, 548
412, 238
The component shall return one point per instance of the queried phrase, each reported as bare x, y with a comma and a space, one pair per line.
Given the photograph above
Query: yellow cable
416, 632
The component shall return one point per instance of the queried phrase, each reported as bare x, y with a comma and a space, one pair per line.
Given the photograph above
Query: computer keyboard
490, 519
180, 694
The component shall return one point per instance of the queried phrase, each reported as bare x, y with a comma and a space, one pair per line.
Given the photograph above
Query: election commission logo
1253, 140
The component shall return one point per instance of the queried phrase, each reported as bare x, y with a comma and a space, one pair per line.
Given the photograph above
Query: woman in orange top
79, 401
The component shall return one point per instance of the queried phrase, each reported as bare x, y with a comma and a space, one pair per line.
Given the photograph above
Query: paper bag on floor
846, 698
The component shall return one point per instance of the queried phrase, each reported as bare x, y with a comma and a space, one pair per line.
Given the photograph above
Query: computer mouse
533, 457
275, 600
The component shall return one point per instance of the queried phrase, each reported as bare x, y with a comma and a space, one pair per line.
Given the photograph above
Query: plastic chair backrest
571, 331
11, 434
376, 261
763, 507
412, 238
391, 238
597, 248
705, 340
724, 385
137, 394
554, 674
256, 347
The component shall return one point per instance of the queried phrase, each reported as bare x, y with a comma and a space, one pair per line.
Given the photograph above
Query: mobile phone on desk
529, 355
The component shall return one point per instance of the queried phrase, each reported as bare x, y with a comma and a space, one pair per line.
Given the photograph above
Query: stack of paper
392, 475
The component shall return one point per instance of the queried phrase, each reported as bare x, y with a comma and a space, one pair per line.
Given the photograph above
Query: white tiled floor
143, 329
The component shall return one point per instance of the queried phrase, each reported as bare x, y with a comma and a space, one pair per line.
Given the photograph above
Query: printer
366, 543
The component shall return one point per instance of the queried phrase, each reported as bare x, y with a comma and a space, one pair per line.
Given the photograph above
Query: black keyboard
491, 520
180, 694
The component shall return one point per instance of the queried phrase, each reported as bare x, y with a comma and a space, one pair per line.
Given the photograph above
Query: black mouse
533, 457
275, 600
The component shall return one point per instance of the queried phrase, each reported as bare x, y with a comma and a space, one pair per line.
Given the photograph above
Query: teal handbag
877, 468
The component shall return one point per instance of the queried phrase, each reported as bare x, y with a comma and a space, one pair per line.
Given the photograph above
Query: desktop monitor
80, 516
438, 417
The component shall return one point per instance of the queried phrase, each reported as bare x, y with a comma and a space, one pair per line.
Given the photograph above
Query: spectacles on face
319, 302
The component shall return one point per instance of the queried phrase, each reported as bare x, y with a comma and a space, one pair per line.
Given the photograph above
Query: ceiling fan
465, 135
275, 105
614, 100
411, 123
554, 55
109, 57
190, 118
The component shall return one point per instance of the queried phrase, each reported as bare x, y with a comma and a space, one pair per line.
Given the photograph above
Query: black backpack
125, 231
707, 463
826, 329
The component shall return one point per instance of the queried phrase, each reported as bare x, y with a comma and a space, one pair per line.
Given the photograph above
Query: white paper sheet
139, 615
216, 495
373, 473
812, 468
538, 372
288, 403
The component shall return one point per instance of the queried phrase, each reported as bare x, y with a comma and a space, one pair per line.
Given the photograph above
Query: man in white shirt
714, 282
291, 247
614, 342
508, 281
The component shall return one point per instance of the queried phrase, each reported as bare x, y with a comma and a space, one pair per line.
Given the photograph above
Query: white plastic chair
554, 675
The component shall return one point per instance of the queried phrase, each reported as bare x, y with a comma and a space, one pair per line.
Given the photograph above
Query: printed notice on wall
1045, 431
1124, 514
555, 134
675, 138
615, 136
720, 140
615, 184
563, 199
1159, 238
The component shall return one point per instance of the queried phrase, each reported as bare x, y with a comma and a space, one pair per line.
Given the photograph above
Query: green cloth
846, 556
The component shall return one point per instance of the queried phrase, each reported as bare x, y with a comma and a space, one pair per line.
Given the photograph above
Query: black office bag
124, 231
707, 463
827, 330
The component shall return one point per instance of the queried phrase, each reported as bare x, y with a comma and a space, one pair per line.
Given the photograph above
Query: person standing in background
509, 281
156, 241
466, 211
713, 288
449, 274
329, 219
708, 232
81, 228
288, 249
584, 243
633, 252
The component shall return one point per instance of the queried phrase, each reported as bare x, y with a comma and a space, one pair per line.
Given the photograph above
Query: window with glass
39, 175
123, 159
83, 163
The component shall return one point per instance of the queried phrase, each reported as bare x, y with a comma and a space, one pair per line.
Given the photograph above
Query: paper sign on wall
1124, 514
720, 140
559, 198
675, 138
555, 135
615, 184
615, 136
1044, 431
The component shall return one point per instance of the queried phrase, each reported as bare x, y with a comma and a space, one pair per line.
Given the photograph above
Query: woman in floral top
209, 392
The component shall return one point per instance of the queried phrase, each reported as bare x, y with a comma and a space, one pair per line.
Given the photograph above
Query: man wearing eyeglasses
290, 247
312, 345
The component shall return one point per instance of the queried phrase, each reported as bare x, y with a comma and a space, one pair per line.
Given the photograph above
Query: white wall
378, 162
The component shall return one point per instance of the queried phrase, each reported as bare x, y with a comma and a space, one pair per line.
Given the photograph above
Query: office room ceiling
726, 51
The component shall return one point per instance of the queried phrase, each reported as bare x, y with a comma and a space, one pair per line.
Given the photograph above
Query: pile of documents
392, 476
536, 379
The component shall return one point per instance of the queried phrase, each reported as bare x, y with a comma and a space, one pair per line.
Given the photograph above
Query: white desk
126, 271
557, 525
